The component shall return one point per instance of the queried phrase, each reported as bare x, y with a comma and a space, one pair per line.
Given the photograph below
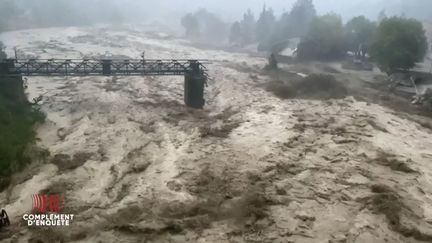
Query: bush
399, 44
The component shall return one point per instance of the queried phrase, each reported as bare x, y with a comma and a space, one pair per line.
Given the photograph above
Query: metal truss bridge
194, 71
89, 67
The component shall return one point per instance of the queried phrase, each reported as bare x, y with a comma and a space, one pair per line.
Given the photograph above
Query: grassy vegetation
17, 120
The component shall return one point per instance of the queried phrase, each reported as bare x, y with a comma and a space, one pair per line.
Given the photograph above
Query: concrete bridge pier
194, 87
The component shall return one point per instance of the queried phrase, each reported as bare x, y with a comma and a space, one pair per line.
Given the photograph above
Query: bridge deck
90, 67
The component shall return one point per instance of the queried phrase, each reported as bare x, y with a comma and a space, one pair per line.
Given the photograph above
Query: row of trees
267, 29
393, 43
329, 38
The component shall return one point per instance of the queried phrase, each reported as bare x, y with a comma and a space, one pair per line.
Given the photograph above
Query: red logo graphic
51, 203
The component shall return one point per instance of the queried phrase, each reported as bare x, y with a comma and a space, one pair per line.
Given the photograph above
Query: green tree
359, 32
212, 28
295, 23
235, 33
301, 16
2, 53
282, 28
381, 16
191, 24
399, 44
264, 25
325, 39
248, 27
205, 25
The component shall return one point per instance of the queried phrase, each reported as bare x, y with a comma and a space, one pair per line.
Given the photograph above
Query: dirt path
137, 166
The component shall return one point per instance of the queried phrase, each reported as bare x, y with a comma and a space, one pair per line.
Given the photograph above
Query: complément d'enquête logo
46, 211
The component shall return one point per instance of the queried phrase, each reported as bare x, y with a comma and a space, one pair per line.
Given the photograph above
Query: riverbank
17, 121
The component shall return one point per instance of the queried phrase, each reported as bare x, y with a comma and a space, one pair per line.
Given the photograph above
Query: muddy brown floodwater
136, 165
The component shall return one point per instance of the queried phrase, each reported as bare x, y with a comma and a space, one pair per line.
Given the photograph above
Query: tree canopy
248, 27
204, 25
191, 25
296, 22
265, 24
324, 40
381, 16
2, 53
301, 16
399, 44
235, 33
359, 34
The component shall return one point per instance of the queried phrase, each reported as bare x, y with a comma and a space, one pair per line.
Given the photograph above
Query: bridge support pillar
194, 86
194, 91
